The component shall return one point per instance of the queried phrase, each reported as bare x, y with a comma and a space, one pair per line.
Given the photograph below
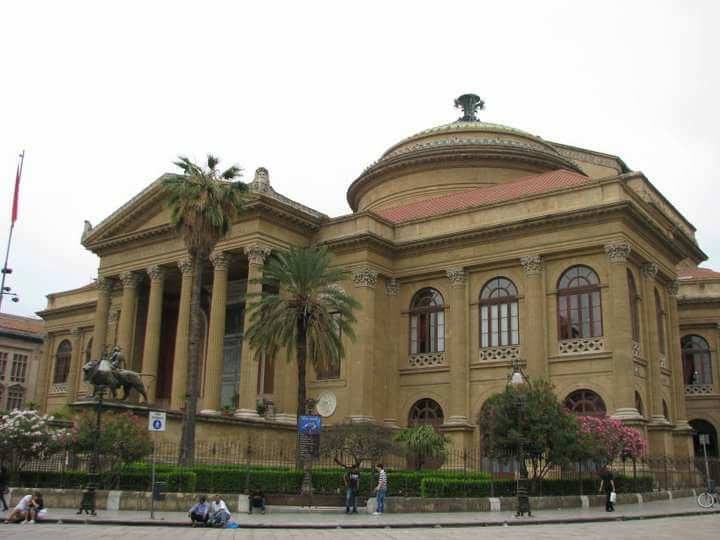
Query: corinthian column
180, 361
362, 350
533, 332
214, 365
457, 330
74, 365
620, 333
130, 282
256, 255
102, 309
151, 352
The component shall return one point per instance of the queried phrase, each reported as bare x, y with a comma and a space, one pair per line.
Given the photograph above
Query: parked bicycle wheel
706, 500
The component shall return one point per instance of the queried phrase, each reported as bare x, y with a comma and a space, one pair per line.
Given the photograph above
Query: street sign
156, 421
704, 439
310, 425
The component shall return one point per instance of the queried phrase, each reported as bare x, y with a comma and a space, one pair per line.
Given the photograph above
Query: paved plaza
696, 527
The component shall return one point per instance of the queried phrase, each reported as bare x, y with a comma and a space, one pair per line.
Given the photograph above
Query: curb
408, 525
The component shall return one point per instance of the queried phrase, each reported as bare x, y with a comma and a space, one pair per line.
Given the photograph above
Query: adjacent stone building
21, 351
469, 245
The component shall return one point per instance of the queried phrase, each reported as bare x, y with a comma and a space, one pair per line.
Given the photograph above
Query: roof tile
15, 323
698, 273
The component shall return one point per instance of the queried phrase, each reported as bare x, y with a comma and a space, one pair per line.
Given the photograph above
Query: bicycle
709, 497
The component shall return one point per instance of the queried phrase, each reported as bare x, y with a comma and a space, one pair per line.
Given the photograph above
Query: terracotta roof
528, 185
698, 273
25, 325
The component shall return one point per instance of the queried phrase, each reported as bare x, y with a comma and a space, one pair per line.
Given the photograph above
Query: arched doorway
425, 412
585, 403
703, 427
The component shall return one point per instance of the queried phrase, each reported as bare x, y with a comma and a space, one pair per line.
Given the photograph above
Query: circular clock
326, 403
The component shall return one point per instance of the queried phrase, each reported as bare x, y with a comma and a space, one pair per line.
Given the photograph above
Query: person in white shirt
219, 513
23, 511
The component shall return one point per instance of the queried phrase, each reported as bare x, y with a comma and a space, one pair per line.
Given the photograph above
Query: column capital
221, 260
650, 271
457, 276
185, 266
532, 265
105, 284
257, 253
618, 252
364, 277
673, 287
130, 279
392, 287
156, 272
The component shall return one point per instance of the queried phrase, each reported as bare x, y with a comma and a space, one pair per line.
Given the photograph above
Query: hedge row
461, 487
182, 481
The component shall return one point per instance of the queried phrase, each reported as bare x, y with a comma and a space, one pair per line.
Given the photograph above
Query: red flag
16, 196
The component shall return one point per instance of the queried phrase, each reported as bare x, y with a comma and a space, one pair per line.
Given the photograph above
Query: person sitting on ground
22, 512
200, 512
219, 513
37, 509
257, 500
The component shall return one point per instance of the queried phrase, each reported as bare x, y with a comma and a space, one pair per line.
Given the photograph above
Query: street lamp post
515, 380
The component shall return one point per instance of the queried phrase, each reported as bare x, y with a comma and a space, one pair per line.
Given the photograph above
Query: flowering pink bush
612, 439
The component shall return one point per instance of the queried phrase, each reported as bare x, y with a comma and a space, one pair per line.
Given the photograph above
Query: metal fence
245, 461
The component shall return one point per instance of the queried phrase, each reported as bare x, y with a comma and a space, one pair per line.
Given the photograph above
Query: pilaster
533, 331
392, 373
130, 282
74, 371
102, 312
180, 361
457, 338
151, 351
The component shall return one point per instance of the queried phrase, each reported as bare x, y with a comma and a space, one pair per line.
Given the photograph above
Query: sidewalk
276, 518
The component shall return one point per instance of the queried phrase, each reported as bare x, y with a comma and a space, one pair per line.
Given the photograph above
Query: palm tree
309, 315
204, 203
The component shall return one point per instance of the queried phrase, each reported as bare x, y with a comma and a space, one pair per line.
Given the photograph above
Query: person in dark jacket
351, 479
4, 481
607, 481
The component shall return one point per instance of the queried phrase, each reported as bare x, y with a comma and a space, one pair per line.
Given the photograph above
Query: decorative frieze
156, 272
364, 277
185, 266
698, 389
424, 360
130, 280
650, 271
256, 254
59, 388
581, 346
618, 252
457, 276
499, 354
105, 285
532, 265
392, 287
221, 260
673, 287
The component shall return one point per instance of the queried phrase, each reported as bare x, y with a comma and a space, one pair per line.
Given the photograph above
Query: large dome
461, 155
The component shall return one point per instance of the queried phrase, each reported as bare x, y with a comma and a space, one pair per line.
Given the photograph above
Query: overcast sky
104, 95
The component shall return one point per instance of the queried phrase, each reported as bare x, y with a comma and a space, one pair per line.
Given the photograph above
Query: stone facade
444, 217
21, 352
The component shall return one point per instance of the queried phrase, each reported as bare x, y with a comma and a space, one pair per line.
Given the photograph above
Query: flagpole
10, 235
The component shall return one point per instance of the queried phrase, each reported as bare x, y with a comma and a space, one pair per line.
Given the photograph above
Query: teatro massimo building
469, 245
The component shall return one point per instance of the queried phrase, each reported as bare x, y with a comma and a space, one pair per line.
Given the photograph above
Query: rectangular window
3, 365
19, 368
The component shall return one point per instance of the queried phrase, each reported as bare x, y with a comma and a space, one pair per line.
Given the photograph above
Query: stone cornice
65, 310
684, 300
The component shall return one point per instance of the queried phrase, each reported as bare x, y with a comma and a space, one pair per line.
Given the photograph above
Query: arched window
427, 322
426, 411
697, 368
62, 362
660, 316
639, 404
498, 313
16, 395
706, 429
585, 403
634, 307
666, 412
579, 310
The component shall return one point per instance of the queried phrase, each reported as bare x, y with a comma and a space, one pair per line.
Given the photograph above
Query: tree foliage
422, 443
310, 316
610, 439
357, 443
203, 202
531, 415
25, 436
123, 438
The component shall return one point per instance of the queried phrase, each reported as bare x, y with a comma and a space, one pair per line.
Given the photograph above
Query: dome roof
465, 143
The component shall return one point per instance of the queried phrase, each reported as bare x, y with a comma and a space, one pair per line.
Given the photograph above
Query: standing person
200, 512
380, 489
4, 481
351, 478
607, 480
219, 513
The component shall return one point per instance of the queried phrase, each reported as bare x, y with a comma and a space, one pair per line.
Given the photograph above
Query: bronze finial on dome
470, 104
